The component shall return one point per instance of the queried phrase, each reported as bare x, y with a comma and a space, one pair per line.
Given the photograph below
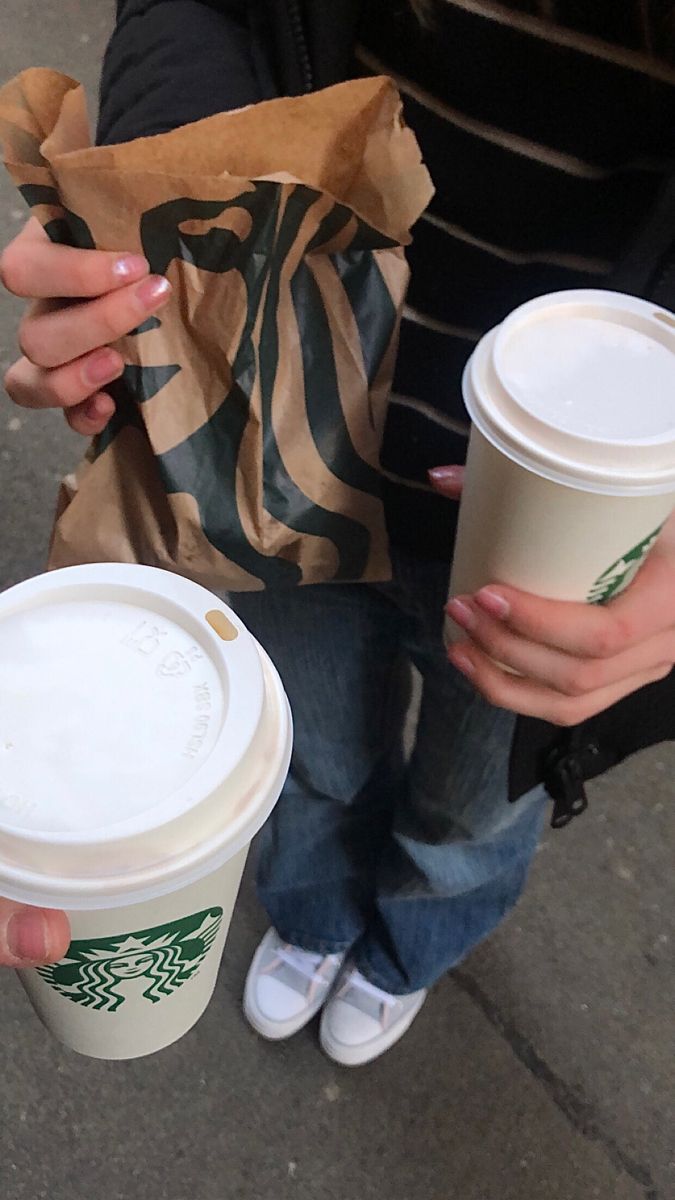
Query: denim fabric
409, 863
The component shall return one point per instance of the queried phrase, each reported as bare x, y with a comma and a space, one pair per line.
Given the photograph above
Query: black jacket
174, 61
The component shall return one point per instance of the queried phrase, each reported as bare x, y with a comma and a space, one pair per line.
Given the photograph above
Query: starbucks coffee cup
571, 466
144, 739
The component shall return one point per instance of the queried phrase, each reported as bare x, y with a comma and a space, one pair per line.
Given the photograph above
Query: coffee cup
570, 473
144, 740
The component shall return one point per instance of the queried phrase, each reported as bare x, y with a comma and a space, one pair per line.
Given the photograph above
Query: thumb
449, 481
30, 937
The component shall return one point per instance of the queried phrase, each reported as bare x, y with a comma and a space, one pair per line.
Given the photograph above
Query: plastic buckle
565, 782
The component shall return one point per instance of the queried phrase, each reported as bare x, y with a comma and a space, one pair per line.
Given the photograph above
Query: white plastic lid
579, 387
134, 711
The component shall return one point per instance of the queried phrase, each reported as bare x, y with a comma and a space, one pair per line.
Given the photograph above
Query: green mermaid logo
96, 973
622, 572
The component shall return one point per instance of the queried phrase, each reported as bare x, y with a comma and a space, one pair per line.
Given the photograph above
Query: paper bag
244, 451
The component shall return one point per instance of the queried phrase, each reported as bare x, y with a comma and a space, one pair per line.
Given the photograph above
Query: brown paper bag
244, 451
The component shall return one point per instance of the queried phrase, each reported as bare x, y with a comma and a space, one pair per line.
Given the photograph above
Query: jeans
406, 861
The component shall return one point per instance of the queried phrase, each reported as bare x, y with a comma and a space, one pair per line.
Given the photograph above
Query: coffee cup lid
579, 386
141, 731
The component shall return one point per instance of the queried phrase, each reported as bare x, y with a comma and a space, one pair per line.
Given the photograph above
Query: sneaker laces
304, 962
355, 981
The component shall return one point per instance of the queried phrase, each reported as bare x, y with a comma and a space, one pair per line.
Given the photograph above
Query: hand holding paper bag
83, 300
245, 446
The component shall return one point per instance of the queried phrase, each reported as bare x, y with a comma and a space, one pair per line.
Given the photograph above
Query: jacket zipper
299, 35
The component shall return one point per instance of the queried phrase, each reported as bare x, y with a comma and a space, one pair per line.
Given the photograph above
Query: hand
572, 660
31, 937
83, 300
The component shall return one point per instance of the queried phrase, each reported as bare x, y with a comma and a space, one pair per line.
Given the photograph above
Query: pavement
542, 1070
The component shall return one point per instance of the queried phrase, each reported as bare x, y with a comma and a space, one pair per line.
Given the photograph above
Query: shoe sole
358, 1056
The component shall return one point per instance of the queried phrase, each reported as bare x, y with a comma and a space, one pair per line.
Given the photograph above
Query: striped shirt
548, 127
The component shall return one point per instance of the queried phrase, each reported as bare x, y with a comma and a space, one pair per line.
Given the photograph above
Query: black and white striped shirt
548, 127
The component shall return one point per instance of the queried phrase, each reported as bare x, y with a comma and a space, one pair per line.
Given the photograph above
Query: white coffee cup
571, 466
144, 739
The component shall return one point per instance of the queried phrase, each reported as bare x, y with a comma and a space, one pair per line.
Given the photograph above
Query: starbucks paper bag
244, 451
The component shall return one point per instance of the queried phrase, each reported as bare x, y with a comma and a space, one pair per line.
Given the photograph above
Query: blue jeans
408, 863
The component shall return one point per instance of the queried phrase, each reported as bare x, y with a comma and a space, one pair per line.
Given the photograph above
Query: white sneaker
361, 1021
286, 986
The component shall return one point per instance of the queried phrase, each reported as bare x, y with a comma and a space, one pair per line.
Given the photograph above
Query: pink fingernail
462, 663
100, 407
461, 613
153, 291
131, 267
104, 367
445, 474
493, 602
27, 936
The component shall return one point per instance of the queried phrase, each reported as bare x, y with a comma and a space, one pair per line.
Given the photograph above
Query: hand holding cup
568, 661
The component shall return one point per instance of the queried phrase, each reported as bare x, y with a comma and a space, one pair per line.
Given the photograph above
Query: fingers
54, 337
448, 481
91, 417
66, 387
33, 267
577, 629
588, 630
66, 358
30, 937
531, 699
558, 671
72, 387
570, 661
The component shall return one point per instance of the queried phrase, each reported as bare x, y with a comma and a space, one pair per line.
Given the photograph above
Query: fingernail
99, 407
462, 663
131, 267
493, 602
27, 936
153, 291
104, 367
445, 474
461, 613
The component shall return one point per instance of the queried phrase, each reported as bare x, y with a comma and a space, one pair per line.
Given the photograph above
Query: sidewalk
542, 1070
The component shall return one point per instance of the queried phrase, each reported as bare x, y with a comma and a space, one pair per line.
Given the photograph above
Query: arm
170, 62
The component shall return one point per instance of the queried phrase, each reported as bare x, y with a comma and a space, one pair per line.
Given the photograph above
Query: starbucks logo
622, 572
99, 974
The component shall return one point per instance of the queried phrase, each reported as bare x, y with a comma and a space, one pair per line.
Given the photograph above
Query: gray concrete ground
544, 1068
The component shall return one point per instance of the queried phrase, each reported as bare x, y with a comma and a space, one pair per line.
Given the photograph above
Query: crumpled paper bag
244, 451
